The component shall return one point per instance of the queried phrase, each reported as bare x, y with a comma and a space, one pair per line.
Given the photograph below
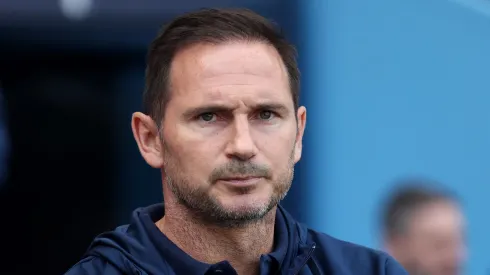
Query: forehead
239, 70
438, 218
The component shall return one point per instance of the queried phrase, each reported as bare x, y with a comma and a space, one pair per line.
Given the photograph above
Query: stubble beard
206, 208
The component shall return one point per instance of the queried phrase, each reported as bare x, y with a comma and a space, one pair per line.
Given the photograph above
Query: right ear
146, 134
394, 246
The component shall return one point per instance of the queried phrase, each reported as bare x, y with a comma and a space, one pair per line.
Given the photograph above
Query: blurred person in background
224, 126
423, 228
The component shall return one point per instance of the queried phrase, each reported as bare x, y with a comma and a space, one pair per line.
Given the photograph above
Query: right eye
207, 117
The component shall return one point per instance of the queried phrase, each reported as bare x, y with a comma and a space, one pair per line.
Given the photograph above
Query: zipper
310, 252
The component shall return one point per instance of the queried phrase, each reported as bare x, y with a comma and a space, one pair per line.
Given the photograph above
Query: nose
241, 145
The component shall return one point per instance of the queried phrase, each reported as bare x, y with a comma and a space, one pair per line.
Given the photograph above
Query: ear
147, 137
301, 120
395, 246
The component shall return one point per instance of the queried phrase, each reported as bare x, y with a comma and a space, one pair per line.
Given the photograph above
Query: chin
247, 205
237, 210
245, 201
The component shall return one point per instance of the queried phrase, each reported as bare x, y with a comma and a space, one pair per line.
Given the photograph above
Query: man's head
223, 121
423, 228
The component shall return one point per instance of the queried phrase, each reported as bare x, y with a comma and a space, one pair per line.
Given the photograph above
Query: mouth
241, 181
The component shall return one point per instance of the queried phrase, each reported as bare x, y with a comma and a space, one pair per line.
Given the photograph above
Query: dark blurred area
60, 178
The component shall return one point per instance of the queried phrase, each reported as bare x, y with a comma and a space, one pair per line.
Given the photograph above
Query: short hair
213, 26
410, 196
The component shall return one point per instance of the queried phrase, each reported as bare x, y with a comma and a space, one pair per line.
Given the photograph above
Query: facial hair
207, 208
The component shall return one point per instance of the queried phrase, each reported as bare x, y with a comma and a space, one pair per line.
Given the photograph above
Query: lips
240, 181
239, 178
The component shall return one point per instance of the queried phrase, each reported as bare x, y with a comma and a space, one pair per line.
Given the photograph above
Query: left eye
266, 115
208, 117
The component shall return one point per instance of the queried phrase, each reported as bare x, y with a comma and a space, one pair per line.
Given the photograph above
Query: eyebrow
221, 108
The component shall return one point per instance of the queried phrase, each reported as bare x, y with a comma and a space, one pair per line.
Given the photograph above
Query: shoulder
352, 258
94, 265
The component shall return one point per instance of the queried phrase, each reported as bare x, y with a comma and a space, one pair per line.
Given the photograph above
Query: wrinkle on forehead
255, 59
242, 97
237, 63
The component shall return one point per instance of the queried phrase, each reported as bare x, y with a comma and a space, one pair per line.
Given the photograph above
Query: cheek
277, 151
426, 251
195, 157
280, 141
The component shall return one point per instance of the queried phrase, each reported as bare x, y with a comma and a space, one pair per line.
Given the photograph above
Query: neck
241, 246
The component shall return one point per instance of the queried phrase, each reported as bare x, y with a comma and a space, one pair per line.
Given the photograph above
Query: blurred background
394, 90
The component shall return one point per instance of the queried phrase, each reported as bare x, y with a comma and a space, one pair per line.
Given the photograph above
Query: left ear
301, 120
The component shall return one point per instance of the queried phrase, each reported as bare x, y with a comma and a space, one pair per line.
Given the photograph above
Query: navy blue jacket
140, 248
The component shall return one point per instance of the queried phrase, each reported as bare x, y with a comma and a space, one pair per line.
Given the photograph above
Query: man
423, 229
224, 126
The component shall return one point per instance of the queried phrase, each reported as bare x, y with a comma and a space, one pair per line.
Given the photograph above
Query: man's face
231, 135
436, 240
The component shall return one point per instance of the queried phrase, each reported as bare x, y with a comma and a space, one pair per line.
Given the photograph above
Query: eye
266, 115
208, 117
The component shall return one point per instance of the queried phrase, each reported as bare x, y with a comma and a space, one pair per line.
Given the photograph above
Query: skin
434, 241
227, 149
